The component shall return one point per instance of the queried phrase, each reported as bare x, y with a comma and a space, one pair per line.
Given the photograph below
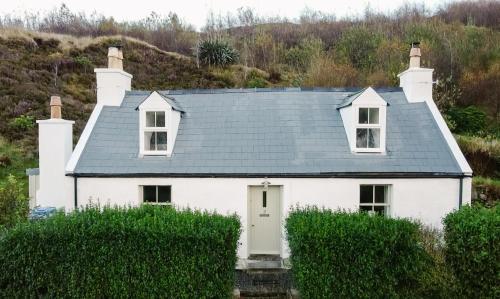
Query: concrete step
263, 282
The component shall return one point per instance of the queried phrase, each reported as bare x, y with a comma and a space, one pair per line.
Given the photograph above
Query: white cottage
258, 152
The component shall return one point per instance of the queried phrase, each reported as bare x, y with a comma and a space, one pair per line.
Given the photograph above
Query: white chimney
112, 82
55, 144
416, 81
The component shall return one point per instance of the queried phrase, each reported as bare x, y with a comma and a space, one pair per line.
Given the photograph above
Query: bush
470, 120
217, 52
472, 237
23, 122
346, 255
13, 202
115, 253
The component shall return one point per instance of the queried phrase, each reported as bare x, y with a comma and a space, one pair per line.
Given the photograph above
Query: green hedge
472, 251
354, 255
115, 253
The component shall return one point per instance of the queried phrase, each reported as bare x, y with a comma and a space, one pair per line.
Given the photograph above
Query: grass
473, 144
482, 181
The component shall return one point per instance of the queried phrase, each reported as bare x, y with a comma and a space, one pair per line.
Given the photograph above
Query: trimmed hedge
114, 253
354, 255
472, 250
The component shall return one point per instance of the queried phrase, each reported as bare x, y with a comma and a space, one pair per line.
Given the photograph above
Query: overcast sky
195, 11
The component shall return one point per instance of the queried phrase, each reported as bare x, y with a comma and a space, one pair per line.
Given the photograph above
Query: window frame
368, 126
145, 129
373, 204
156, 190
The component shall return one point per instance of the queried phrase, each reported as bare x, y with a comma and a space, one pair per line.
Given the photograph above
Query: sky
196, 11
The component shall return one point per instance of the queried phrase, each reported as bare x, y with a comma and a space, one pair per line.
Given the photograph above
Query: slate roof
266, 132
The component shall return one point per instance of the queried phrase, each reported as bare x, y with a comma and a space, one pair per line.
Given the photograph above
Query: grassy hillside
34, 66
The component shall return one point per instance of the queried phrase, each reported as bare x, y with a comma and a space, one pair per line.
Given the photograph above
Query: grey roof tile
266, 132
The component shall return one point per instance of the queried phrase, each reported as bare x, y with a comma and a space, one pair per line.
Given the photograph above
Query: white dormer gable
159, 119
364, 118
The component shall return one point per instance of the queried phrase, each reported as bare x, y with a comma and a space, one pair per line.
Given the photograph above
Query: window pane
161, 141
374, 138
363, 115
149, 193
361, 138
160, 119
373, 116
366, 194
150, 119
365, 208
264, 199
379, 210
149, 141
380, 194
164, 193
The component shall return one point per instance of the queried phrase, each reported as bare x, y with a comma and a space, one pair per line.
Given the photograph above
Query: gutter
76, 191
460, 192
367, 175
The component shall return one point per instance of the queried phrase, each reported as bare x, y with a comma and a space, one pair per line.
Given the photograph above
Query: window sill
368, 150
158, 203
153, 153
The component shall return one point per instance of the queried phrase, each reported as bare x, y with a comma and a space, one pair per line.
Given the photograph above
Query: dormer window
364, 118
155, 133
159, 119
368, 128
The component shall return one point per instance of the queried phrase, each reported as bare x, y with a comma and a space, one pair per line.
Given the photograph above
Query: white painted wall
55, 143
111, 86
34, 184
427, 200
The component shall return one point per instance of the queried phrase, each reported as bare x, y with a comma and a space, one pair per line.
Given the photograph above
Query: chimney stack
115, 57
55, 107
415, 55
416, 81
55, 145
112, 81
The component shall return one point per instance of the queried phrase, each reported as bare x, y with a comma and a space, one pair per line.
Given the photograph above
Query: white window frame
141, 193
145, 129
380, 126
386, 204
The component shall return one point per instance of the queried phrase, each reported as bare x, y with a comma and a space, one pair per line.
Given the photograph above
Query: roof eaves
349, 99
171, 101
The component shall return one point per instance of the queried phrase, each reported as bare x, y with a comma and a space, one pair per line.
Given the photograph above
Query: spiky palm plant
217, 52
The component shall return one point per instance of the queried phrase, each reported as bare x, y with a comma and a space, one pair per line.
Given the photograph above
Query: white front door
265, 221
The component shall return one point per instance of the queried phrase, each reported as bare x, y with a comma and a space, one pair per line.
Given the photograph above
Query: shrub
354, 255
472, 237
217, 52
23, 122
115, 253
13, 202
470, 120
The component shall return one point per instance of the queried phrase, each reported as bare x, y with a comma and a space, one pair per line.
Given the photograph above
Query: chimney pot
55, 107
415, 54
115, 57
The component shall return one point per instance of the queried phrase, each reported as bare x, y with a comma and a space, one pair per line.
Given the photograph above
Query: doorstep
263, 276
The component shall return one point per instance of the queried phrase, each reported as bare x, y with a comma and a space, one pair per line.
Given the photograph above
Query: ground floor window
160, 195
374, 199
